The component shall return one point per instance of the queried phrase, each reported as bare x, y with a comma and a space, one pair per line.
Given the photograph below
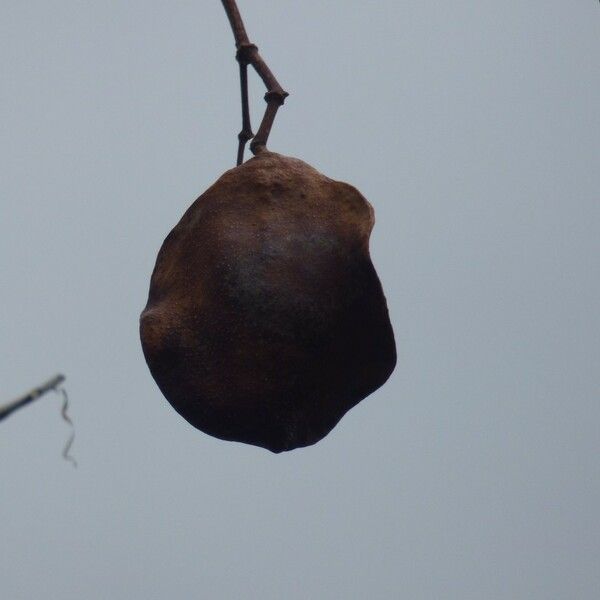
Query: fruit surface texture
266, 321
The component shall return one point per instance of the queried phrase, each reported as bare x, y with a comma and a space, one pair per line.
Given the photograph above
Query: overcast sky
473, 128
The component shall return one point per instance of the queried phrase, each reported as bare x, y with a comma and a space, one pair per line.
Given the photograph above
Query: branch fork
247, 54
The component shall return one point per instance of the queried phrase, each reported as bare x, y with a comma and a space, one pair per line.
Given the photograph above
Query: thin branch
247, 54
34, 394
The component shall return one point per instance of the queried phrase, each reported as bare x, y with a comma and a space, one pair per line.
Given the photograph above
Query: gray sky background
473, 128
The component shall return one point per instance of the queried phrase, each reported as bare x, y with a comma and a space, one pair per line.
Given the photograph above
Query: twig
34, 394
247, 54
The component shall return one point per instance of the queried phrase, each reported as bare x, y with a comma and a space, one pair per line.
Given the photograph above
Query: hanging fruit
266, 321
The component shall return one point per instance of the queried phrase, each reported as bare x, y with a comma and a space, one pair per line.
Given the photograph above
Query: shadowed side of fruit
266, 321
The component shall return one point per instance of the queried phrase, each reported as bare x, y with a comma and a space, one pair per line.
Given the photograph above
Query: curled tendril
63, 411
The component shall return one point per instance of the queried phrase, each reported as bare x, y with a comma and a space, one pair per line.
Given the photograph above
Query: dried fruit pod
266, 321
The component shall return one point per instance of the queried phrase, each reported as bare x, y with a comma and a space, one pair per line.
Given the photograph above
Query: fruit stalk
247, 54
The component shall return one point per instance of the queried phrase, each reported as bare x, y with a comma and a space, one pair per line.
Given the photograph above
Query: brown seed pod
266, 321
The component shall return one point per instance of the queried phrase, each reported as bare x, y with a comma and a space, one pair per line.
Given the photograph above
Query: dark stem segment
246, 132
34, 394
259, 142
247, 54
